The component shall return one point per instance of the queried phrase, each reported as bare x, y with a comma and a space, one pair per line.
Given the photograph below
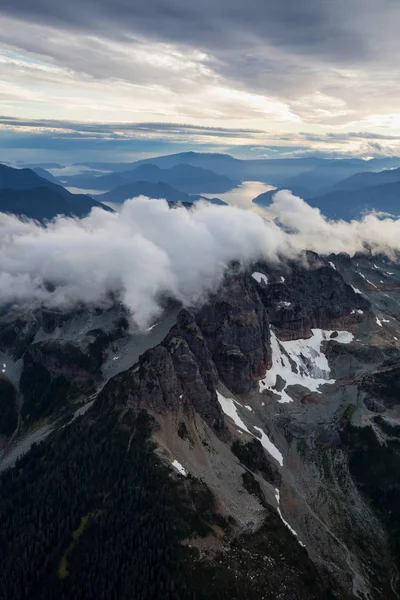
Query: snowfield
259, 277
300, 362
228, 406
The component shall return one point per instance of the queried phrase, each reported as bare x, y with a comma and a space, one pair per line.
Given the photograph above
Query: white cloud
312, 231
148, 250
142, 252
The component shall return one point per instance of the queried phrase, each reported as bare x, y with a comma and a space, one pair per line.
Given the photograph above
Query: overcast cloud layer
289, 68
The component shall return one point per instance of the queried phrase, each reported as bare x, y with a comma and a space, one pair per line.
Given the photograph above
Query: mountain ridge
24, 193
216, 416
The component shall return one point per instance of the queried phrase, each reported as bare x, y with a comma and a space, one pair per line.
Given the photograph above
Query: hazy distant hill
350, 204
367, 179
152, 190
265, 198
189, 179
23, 192
45, 174
45, 165
312, 173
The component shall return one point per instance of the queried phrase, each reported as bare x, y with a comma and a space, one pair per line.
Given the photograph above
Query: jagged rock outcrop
312, 295
383, 385
302, 454
176, 375
235, 325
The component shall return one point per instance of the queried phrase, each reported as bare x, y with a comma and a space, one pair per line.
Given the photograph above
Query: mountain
23, 192
45, 174
250, 442
220, 163
351, 204
367, 179
186, 178
34, 166
265, 198
314, 173
21, 179
153, 190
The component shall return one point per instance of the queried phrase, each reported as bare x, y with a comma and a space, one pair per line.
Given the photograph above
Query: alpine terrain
244, 448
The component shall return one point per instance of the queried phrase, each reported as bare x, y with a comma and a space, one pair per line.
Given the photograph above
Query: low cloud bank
139, 253
309, 229
148, 250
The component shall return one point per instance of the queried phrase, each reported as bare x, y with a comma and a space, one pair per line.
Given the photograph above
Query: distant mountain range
311, 173
341, 188
352, 197
186, 178
367, 179
351, 204
24, 193
152, 190
46, 175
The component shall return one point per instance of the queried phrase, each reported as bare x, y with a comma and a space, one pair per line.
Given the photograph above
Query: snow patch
229, 408
356, 290
277, 496
367, 280
269, 446
259, 277
177, 465
333, 265
248, 407
357, 310
282, 279
300, 362
284, 304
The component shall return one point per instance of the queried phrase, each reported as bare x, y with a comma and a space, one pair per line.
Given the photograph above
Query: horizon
21, 164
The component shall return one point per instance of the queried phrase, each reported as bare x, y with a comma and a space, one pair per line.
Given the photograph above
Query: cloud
148, 251
116, 129
131, 140
142, 252
309, 229
324, 63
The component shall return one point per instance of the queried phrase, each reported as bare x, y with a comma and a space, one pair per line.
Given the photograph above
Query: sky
256, 78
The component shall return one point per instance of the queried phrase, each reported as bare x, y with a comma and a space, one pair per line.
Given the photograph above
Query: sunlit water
243, 195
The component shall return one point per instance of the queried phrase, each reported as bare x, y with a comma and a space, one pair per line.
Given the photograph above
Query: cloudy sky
251, 77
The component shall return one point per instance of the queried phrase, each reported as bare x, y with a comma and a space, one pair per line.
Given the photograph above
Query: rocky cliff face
311, 295
278, 393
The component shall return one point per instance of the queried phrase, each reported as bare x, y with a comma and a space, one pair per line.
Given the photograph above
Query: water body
75, 190
243, 195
